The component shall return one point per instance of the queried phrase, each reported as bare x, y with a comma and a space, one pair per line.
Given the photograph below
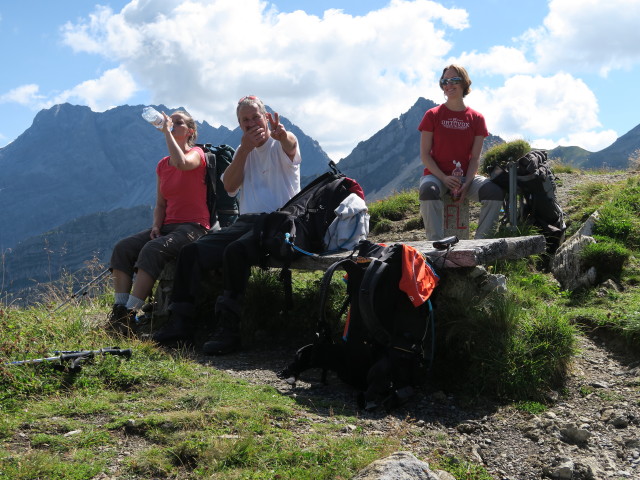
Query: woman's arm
177, 158
158, 212
426, 141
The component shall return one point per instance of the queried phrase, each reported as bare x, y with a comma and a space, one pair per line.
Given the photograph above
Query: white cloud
541, 109
588, 35
24, 95
323, 73
593, 141
341, 77
499, 60
543, 105
114, 87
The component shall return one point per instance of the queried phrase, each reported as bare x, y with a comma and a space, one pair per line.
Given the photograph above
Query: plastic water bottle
153, 116
457, 172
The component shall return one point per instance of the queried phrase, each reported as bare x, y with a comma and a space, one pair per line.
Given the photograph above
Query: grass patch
559, 167
188, 419
607, 256
505, 349
394, 208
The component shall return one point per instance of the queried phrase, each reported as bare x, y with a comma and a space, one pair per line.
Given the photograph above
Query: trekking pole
82, 290
75, 357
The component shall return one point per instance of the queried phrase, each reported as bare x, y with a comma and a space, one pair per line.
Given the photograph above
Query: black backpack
387, 345
299, 226
222, 207
536, 184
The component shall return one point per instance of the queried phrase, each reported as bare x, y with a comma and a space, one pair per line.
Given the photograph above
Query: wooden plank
466, 253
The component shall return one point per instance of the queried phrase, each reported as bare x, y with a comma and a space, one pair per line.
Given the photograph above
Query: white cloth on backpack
350, 225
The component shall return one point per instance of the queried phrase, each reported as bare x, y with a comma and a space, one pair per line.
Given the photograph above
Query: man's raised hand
278, 131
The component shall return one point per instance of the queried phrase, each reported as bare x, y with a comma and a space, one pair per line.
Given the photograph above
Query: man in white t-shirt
265, 173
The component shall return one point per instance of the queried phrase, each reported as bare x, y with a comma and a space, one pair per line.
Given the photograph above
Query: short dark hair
462, 73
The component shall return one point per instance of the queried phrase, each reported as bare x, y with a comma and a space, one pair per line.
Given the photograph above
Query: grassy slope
164, 415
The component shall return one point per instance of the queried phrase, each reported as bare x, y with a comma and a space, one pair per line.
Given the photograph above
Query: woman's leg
431, 206
123, 259
141, 290
157, 253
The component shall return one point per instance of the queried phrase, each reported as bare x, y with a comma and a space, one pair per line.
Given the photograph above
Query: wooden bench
466, 253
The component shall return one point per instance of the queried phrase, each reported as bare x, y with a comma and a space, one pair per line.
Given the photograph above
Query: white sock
121, 298
134, 303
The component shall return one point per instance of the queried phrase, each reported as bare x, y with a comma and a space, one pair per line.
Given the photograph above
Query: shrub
500, 348
502, 154
382, 226
415, 223
607, 256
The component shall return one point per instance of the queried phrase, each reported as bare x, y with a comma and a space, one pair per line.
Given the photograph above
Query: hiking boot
226, 336
175, 330
122, 320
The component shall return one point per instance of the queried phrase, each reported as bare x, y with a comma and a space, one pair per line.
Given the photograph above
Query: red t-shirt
453, 135
185, 192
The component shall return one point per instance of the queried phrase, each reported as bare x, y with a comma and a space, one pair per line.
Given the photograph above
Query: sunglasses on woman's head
450, 81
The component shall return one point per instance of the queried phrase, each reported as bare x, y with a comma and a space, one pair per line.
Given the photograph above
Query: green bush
382, 226
607, 256
500, 348
502, 154
415, 223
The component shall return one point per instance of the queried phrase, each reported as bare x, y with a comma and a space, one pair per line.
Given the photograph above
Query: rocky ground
590, 431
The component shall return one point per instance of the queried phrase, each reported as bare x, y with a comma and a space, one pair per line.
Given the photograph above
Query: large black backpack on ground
222, 207
299, 226
537, 187
387, 345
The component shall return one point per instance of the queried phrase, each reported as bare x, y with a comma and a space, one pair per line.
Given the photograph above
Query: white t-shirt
271, 178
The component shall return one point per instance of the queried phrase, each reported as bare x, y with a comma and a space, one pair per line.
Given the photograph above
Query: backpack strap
372, 276
324, 288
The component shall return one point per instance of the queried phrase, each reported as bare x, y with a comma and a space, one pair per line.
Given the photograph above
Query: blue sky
561, 72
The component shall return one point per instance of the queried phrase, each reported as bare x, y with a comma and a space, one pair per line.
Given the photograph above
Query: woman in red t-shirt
180, 216
453, 133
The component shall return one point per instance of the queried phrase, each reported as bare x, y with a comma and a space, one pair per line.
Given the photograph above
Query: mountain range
76, 181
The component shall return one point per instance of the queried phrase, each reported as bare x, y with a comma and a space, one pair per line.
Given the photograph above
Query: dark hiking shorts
139, 251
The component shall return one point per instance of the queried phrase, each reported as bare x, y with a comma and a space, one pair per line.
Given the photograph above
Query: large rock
398, 466
567, 265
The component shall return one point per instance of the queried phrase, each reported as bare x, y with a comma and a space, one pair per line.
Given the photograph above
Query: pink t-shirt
453, 135
185, 192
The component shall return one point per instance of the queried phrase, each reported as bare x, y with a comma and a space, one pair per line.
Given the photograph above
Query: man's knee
235, 252
429, 191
